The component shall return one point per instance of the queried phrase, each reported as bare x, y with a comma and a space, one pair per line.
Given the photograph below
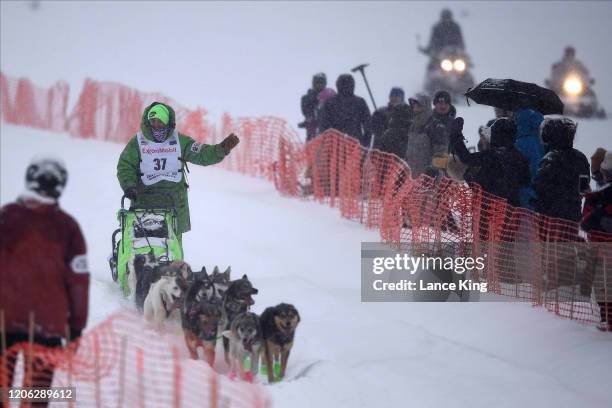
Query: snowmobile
576, 92
148, 233
449, 71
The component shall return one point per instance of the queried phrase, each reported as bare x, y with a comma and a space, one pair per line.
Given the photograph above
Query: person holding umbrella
529, 102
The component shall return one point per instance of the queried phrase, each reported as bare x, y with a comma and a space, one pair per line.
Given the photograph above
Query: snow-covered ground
347, 353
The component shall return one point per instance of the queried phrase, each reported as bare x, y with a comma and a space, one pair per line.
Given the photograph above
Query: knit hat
442, 96
159, 112
397, 91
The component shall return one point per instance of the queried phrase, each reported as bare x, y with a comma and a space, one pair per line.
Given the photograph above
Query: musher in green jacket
154, 161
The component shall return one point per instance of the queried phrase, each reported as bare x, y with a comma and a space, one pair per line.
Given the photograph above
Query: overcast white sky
257, 58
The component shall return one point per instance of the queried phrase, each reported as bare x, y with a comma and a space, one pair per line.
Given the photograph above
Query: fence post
69, 360
139, 377
122, 371
177, 377
97, 369
3, 369
214, 390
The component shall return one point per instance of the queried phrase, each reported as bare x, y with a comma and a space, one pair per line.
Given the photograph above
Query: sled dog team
213, 306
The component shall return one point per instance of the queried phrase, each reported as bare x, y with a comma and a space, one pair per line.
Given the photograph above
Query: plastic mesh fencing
126, 362
525, 257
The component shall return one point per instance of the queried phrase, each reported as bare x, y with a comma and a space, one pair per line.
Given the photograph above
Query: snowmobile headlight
459, 65
573, 86
446, 65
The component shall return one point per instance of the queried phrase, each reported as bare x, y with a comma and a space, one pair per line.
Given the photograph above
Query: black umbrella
511, 95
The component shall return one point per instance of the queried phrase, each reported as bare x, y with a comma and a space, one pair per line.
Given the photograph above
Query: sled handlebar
167, 197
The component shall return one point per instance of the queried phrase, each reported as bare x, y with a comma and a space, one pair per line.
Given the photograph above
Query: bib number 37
160, 164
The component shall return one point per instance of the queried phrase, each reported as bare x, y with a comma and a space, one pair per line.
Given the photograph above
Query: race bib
160, 161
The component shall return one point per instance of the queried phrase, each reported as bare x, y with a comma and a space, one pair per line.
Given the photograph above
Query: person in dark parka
382, 116
346, 112
564, 172
395, 139
446, 33
438, 130
309, 104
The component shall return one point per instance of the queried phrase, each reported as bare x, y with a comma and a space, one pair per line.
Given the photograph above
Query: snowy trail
347, 353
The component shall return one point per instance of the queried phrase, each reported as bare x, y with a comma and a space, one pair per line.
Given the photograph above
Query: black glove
75, 334
131, 193
456, 131
229, 143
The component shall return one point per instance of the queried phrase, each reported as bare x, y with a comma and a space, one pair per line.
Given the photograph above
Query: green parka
128, 171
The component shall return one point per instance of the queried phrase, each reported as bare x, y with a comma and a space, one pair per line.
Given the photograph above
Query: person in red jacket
44, 278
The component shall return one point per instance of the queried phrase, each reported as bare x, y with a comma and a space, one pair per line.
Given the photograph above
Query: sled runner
147, 237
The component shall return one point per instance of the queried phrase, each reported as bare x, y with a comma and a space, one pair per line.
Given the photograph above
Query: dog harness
160, 161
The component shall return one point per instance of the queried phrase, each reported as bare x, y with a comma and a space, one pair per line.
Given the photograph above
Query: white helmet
47, 174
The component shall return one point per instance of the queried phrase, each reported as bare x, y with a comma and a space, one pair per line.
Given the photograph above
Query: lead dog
278, 326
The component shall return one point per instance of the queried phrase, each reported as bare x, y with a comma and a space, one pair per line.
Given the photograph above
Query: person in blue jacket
528, 143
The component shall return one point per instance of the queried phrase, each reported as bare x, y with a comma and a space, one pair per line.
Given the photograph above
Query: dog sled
147, 235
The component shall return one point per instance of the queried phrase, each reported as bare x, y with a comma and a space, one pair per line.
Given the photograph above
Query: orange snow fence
531, 257
125, 362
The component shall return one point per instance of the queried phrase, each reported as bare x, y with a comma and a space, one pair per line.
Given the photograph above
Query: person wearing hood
309, 104
564, 172
381, 117
44, 281
154, 162
483, 142
501, 170
420, 149
347, 112
597, 218
528, 143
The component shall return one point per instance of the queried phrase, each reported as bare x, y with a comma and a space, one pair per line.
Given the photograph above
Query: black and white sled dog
221, 281
278, 325
143, 271
245, 339
200, 317
236, 300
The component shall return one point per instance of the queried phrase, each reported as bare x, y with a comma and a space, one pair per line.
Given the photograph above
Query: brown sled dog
278, 325
200, 317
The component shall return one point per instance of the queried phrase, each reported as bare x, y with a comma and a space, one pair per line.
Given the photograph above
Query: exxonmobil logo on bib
154, 150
